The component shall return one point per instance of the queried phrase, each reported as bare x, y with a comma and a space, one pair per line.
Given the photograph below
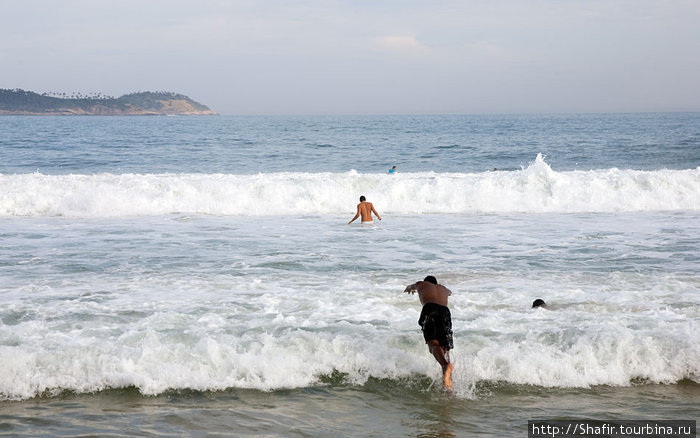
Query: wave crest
534, 189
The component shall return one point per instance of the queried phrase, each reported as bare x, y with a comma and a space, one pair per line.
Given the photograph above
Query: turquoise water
197, 276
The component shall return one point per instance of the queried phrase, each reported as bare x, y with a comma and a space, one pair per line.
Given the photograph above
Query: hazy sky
363, 56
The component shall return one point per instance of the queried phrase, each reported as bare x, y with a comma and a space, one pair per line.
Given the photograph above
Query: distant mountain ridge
20, 102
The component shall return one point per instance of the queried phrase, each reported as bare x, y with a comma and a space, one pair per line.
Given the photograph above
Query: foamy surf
536, 188
167, 350
266, 303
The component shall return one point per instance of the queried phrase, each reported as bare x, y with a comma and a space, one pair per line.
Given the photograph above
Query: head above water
538, 303
430, 279
362, 198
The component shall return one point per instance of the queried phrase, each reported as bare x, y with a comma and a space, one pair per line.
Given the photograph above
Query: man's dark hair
362, 198
538, 303
430, 279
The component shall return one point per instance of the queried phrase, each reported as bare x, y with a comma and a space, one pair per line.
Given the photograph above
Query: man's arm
411, 289
375, 213
356, 214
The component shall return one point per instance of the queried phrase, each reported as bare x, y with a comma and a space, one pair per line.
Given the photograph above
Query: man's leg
443, 357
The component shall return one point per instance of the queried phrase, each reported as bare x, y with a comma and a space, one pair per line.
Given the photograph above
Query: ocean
196, 276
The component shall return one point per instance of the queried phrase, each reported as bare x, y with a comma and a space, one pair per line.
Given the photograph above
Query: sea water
196, 275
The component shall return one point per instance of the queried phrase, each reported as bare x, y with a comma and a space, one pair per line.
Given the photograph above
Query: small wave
47, 363
449, 146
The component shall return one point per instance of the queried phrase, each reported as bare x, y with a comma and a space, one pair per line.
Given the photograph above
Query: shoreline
379, 407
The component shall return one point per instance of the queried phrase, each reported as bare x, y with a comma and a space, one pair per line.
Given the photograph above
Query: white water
269, 302
534, 189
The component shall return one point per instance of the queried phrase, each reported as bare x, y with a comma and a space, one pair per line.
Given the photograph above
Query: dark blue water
368, 144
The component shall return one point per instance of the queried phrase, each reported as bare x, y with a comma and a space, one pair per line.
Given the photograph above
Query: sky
363, 56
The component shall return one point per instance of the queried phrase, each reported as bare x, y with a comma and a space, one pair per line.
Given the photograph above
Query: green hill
20, 102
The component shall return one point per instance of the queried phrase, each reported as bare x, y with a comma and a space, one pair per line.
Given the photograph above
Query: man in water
393, 169
365, 209
436, 322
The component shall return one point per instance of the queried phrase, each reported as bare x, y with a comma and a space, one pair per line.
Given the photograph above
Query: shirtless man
436, 322
365, 209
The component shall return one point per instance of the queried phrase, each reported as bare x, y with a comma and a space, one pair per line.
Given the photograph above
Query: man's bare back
429, 292
365, 209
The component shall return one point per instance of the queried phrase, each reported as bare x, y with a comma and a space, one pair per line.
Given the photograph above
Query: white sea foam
208, 302
534, 189
279, 357
267, 336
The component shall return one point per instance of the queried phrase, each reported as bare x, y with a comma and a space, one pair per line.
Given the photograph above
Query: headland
148, 103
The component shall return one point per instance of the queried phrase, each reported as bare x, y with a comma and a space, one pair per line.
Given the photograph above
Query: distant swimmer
393, 170
539, 303
365, 209
436, 322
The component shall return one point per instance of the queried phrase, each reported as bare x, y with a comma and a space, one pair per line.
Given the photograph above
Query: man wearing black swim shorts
436, 322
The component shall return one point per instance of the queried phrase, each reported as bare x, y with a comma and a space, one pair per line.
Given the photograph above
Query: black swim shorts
436, 322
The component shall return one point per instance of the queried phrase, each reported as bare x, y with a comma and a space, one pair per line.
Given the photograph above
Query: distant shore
28, 103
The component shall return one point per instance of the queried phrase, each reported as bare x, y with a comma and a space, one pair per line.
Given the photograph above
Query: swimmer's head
430, 279
538, 303
362, 198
